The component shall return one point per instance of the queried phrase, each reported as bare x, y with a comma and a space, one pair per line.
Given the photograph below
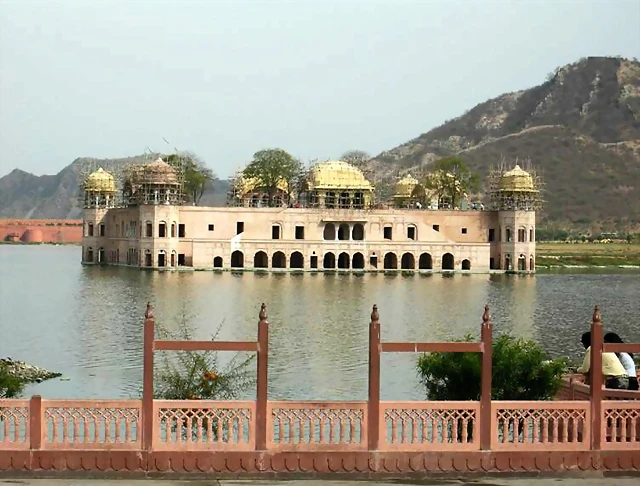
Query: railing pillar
486, 420
595, 373
147, 380
35, 422
262, 396
373, 404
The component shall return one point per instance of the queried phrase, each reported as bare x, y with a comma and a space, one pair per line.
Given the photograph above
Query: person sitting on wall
625, 358
614, 374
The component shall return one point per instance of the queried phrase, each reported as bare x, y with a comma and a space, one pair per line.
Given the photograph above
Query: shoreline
26, 373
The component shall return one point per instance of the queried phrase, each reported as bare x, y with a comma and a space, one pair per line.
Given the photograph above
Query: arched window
278, 260
344, 261
357, 262
329, 261
344, 232
173, 230
508, 235
329, 232
260, 260
217, 262
390, 261
237, 259
447, 261
522, 235
296, 260
408, 262
531, 235
466, 264
425, 262
357, 233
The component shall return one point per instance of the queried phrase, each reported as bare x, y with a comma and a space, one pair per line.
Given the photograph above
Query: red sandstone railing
612, 423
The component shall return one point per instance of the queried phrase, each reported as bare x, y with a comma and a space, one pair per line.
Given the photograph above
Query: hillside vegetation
580, 129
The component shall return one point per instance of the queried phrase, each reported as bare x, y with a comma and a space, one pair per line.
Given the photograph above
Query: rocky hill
580, 129
24, 195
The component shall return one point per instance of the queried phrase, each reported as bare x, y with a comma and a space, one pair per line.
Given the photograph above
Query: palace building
334, 225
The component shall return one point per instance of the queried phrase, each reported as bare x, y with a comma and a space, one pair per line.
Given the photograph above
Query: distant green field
592, 254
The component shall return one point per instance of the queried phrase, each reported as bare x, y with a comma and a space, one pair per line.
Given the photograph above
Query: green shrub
198, 375
10, 385
521, 371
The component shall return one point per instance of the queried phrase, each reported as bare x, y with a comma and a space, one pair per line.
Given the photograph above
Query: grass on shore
590, 254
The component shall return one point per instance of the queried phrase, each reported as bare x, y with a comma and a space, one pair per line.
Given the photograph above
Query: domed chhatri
251, 192
517, 180
336, 174
100, 181
405, 186
337, 184
158, 172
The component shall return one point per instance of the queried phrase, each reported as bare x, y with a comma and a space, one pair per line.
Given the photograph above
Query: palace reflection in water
86, 322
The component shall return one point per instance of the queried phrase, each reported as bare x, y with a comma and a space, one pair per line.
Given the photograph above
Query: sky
224, 79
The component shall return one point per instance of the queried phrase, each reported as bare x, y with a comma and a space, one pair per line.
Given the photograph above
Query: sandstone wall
41, 230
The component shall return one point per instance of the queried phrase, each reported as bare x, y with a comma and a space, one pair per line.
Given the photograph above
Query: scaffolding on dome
515, 197
153, 183
99, 188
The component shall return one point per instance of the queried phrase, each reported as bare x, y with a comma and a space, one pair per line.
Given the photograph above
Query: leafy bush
521, 371
198, 375
10, 385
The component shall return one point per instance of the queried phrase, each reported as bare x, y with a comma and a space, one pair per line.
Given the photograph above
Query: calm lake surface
87, 322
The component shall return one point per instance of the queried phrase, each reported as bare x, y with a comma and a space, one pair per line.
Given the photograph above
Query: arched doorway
237, 259
357, 261
102, 256
260, 260
217, 262
357, 233
162, 259
329, 261
425, 262
343, 260
408, 262
466, 264
89, 257
344, 232
278, 260
522, 263
390, 261
296, 260
532, 266
173, 258
329, 232
447, 261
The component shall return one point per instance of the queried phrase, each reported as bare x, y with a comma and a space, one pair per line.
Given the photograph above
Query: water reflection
86, 322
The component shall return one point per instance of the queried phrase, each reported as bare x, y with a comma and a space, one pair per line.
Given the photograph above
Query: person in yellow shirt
614, 374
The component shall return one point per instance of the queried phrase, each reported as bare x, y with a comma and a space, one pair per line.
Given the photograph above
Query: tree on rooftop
271, 168
450, 179
357, 158
196, 175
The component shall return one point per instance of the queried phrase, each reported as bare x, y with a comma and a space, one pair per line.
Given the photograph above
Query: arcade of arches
346, 261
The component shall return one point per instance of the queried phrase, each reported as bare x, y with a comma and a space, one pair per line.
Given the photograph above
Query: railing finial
263, 312
375, 316
148, 313
597, 317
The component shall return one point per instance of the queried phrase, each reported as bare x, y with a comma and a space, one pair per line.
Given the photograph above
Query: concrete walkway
618, 481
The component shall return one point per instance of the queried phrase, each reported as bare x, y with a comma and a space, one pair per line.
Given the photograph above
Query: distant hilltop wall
41, 230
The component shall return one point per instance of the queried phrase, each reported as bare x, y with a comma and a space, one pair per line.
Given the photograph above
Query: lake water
87, 322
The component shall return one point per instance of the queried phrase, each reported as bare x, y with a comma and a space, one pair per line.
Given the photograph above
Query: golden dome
337, 175
517, 180
100, 181
245, 185
158, 172
405, 186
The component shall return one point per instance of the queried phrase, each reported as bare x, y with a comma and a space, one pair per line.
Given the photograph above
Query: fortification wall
41, 230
